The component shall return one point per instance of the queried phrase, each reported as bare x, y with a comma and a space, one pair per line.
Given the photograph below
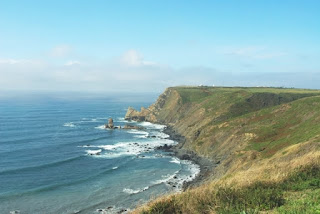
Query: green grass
305, 202
276, 118
298, 193
259, 196
299, 123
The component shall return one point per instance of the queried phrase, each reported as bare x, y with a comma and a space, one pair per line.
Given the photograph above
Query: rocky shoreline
206, 165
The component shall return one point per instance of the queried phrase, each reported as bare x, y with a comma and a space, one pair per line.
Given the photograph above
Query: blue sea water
56, 157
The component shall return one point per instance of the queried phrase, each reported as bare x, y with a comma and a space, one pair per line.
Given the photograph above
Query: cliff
253, 134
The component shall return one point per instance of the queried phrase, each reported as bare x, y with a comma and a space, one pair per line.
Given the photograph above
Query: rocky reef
110, 125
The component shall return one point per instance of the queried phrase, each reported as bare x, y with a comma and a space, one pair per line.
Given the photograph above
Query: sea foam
94, 152
152, 125
69, 124
132, 191
100, 127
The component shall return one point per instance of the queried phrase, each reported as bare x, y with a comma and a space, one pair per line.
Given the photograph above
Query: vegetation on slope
298, 193
258, 137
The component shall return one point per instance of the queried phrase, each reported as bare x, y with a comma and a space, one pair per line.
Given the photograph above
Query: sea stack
110, 123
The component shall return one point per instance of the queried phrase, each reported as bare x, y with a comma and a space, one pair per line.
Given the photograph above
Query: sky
146, 46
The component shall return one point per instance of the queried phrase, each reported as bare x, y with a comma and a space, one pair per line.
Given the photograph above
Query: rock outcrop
110, 124
145, 114
131, 127
154, 112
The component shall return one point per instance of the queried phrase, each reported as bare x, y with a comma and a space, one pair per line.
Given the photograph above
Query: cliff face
240, 128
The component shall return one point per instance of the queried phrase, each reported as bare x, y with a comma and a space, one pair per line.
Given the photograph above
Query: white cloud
130, 72
61, 51
134, 58
72, 62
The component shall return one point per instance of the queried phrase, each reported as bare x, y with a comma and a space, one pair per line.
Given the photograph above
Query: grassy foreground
265, 141
298, 193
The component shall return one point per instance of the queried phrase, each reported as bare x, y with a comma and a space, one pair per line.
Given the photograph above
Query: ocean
56, 156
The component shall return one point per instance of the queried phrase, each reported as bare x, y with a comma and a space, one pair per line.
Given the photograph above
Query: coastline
206, 165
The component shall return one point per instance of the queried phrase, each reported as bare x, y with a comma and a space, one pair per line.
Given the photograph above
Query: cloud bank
132, 72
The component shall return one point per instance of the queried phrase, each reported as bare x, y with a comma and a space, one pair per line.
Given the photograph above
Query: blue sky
149, 45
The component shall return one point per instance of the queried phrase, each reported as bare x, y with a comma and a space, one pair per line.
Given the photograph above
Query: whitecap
121, 119
160, 135
141, 136
69, 124
175, 160
124, 149
115, 167
130, 148
166, 178
100, 127
152, 125
94, 152
194, 169
178, 178
132, 191
134, 131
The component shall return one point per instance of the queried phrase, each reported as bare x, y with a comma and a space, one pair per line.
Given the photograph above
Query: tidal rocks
127, 126
165, 147
111, 125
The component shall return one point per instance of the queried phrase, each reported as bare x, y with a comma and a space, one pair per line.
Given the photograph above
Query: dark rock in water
185, 157
153, 136
165, 147
122, 211
109, 208
110, 125
218, 162
175, 177
127, 126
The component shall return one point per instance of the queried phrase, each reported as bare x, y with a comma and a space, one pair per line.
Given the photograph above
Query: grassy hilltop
265, 143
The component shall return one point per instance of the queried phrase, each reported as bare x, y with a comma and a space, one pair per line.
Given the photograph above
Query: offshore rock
110, 125
131, 127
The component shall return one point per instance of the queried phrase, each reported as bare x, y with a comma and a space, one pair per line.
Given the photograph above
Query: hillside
267, 135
